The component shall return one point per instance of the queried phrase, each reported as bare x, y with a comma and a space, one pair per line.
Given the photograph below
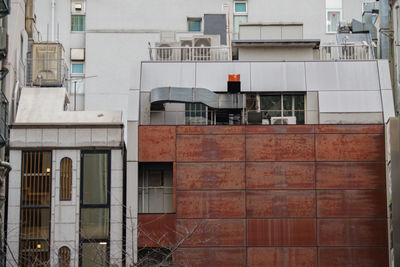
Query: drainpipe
53, 7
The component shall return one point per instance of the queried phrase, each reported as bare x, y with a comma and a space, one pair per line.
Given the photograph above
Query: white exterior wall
66, 142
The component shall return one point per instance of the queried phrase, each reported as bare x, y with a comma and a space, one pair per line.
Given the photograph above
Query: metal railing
47, 72
347, 52
217, 53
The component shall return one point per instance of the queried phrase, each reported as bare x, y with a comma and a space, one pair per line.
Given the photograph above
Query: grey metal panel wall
215, 24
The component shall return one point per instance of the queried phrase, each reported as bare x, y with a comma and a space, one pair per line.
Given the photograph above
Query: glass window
35, 208
94, 223
64, 257
240, 7
94, 254
194, 24
77, 68
155, 188
149, 257
333, 19
78, 23
95, 177
95, 208
65, 179
237, 20
196, 114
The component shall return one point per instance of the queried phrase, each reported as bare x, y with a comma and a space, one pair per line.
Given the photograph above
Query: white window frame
240, 13
326, 18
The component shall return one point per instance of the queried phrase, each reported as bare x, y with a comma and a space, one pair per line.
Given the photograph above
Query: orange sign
234, 78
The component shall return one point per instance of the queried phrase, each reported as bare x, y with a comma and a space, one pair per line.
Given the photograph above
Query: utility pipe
53, 7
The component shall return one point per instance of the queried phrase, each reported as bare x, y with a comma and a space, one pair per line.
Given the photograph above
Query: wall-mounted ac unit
283, 120
204, 46
168, 51
48, 65
186, 48
78, 7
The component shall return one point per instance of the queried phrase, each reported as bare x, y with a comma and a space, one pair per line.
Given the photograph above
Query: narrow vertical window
65, 179
35, 209
240, 14
95, 208
64, 257
78, 23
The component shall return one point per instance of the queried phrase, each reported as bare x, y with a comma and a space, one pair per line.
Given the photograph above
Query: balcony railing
3, 119
347, 52
217, 53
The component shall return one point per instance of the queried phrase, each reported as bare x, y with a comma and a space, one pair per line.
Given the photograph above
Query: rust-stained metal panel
281, 232
355, 256
280, 175
282, 257
280, 147
157, 143
210, 148
210, 204
352, 232
352, 203
363, 129
350, 147
211, 232
279, 129
156, 230
210, 130
284, 203
351, 175
192, 176
221, 257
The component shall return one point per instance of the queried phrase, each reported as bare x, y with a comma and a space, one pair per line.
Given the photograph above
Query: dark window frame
95, 206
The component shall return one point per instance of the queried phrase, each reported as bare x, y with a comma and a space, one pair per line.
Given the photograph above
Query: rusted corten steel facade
272, 195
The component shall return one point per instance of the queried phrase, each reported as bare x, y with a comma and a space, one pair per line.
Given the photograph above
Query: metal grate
64, 257
35, 209
65, 179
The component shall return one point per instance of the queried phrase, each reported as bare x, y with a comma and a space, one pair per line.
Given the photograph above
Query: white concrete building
66, 193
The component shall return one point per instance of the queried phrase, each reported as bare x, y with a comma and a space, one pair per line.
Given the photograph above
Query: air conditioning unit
168, 51
283, 120
186, 49
203, 45
78, 7
48, 64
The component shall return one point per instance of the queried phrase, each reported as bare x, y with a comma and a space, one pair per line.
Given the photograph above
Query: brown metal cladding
157, 143
210, 204
210, 257
352, 232
279, 129
192, 176
350, 147
352, 203
285, 203
210, 130
280, 147
280, 175
350, 175
362, 129
356, 256
155, 230
211, 232
282, 257
281, 232
210, 148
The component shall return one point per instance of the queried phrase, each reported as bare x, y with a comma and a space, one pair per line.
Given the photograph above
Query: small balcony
203, 53
347, 52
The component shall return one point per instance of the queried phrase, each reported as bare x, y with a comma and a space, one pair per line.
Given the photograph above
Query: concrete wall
273, 196
276, 54
348, 92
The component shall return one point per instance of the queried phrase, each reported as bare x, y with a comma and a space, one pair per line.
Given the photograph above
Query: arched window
65, 179
64, 256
